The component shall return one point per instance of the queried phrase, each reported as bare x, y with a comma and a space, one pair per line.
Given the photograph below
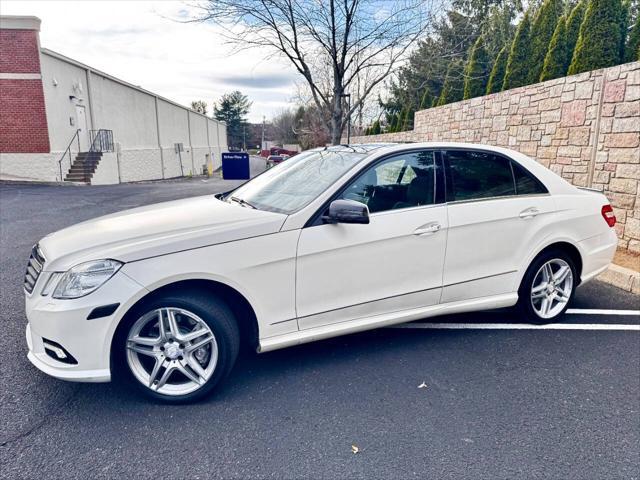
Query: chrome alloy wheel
551, 288
172, 351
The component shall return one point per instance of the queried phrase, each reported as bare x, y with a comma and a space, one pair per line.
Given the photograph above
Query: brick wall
584, 127
23, 119
19, 53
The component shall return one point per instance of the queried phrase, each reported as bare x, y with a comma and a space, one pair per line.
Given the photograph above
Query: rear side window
475, 175
526, 184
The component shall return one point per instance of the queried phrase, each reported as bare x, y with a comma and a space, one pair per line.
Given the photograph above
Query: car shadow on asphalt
346, 359
258, 373
295, 367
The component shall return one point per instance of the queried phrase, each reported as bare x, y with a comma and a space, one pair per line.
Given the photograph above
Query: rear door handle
428, 229
529, 212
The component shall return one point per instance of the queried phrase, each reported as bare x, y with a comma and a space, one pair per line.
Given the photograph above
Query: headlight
83, 279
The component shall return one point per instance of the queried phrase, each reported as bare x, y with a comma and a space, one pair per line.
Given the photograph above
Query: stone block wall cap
19, 22
621, 277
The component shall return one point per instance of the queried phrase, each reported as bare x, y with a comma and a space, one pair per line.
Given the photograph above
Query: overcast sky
144, 43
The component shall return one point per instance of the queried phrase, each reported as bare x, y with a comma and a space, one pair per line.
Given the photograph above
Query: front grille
34, 267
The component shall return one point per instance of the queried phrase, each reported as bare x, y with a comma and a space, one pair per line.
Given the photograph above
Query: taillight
608, 215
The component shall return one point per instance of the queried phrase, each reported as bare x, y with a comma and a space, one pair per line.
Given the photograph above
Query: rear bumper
597, 254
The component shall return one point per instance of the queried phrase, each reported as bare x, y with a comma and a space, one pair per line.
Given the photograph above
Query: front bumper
42, 362
65, 323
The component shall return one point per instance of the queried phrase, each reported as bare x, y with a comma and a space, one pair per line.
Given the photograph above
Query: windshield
296, 182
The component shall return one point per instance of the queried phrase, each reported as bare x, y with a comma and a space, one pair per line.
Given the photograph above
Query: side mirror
347, 211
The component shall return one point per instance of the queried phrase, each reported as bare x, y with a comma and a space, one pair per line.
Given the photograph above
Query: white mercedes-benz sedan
333, 241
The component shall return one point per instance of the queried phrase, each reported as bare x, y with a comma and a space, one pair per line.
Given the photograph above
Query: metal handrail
101, 140
76, 136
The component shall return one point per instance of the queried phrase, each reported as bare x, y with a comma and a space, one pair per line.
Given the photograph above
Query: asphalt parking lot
498, 402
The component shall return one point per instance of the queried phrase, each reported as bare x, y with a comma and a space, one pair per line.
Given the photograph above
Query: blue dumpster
235, 166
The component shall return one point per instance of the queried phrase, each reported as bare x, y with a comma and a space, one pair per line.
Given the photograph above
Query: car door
495, 209
349, 271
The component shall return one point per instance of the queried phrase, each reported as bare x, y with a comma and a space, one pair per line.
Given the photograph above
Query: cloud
113, 31
150, 44
261, 81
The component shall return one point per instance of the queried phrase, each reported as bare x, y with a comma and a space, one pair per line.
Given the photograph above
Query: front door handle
529, 212
428, 229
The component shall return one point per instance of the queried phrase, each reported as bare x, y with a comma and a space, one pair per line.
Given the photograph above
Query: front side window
295, 183
475, 175
402, 181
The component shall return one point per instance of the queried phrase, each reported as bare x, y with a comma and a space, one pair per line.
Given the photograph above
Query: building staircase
83, 167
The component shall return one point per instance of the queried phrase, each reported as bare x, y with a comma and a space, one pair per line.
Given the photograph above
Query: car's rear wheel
177, 348
547, 287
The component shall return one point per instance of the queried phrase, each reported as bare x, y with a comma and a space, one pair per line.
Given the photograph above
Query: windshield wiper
242, 202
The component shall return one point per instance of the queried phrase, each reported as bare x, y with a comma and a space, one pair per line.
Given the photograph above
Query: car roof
400, 146
354, 147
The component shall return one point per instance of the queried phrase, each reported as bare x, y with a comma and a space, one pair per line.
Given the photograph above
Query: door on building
81, 124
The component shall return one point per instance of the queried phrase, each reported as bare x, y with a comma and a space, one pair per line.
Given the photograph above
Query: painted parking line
520, 326
596, 311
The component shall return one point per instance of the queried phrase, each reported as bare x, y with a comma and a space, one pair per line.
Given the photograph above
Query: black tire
214, 312
524, 305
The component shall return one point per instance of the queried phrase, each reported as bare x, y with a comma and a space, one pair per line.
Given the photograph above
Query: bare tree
344, 41
284, 127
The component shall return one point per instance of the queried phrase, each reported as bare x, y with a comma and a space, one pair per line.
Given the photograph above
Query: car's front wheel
177, 348
547, 287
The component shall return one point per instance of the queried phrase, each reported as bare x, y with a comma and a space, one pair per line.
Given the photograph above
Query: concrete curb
624, 278
17, 181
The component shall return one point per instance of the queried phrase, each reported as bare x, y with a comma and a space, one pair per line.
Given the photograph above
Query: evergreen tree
625, 11
558, 57
633, 43
375, 129
477, 70
408, 119
599, 39
390, 124
496, 78
393, 125
400, 120
497, 27
573, 26
544, 25
452, 90
232, 109
517, 72
427, 99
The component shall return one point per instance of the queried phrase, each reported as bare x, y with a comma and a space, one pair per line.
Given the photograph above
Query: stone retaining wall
585, 127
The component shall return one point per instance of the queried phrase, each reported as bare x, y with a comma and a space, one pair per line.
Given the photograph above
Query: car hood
156, 230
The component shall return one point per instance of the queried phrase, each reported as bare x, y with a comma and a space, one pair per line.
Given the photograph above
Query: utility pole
262, 144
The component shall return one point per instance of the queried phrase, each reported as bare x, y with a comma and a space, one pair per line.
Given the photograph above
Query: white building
63, 120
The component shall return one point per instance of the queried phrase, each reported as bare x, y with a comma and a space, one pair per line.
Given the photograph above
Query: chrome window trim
503, 197
397, 210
